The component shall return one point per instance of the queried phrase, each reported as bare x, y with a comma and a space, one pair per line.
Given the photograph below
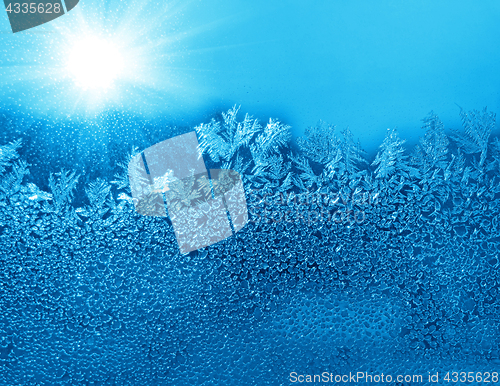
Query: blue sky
363, 64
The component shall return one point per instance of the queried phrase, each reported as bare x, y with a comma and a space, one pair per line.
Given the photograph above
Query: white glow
95, 63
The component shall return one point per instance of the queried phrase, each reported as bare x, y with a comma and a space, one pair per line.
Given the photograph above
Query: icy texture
99, 295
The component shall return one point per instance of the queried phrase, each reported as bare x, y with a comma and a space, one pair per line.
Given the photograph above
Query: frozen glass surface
251, 193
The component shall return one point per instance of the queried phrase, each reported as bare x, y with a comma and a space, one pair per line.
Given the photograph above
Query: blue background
363, 64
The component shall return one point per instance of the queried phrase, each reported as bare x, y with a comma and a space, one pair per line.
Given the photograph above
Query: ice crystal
62, 185
122, 177
306, 174
391, 158
433, 148
8, 153
11, 183
269, 163
477, 130
340, 158
98, 193
222, 140
253, 150
319, 143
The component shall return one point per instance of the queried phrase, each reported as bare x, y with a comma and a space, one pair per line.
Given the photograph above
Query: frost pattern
8, 153
252, 150
338, 160
391, 158
222, 140
99, 295
477, 130
432, 151
62, 186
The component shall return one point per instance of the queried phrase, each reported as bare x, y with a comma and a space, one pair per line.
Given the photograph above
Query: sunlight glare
95, 63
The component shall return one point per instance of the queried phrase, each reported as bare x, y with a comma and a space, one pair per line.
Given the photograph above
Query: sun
95, 63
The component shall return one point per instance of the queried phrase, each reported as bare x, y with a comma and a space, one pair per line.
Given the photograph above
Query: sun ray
134, 58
